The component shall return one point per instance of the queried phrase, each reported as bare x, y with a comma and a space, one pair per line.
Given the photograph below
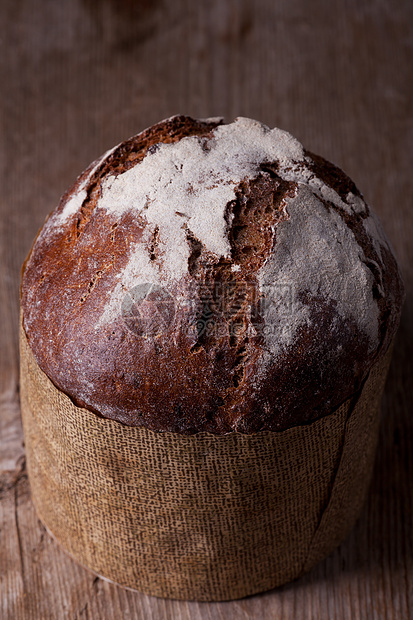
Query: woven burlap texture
196, 517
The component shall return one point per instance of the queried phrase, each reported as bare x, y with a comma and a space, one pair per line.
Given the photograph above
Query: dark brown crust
188, 379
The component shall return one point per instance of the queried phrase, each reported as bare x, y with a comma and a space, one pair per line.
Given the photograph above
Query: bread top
204, 276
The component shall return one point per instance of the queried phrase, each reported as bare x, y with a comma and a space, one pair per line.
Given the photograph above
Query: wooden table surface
77, 77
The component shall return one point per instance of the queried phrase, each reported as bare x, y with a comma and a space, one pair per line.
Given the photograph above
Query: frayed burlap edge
196, 517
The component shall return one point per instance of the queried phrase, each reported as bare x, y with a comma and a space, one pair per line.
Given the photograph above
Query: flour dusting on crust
188, 185
76, 200
317, 254
192, 181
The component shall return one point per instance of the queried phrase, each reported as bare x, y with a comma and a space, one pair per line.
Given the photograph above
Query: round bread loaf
204, 276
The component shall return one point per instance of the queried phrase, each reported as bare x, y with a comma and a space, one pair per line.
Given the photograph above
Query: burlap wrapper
196, 517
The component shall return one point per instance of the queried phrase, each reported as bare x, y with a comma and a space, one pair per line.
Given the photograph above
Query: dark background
77, 77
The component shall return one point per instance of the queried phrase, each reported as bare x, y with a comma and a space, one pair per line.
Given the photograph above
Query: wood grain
78, 76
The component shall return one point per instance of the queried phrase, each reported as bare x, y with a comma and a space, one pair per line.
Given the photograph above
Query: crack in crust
95, 279
154, 247
229, 303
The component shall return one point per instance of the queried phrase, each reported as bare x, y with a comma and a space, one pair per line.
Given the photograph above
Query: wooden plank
77, 77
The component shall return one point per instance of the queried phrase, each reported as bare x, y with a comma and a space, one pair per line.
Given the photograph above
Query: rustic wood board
78, 76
